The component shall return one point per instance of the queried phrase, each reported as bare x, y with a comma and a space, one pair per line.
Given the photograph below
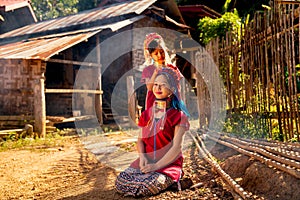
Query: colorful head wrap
173, 76
149, 38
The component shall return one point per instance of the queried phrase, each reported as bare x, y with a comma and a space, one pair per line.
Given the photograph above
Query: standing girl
157, 58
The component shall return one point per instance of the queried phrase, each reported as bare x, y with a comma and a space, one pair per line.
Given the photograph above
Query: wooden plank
73, 91
10, 131
15, 118
72, 62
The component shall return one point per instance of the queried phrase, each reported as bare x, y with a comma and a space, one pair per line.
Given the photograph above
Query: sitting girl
160, 142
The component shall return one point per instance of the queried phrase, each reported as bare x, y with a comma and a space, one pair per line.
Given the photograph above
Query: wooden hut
39, 63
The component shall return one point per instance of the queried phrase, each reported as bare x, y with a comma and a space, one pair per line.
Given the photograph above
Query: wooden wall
17, 80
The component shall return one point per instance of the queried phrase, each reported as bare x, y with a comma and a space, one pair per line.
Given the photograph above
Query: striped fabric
132, 182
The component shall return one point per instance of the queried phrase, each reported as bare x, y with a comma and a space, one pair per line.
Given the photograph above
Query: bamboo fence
259, 69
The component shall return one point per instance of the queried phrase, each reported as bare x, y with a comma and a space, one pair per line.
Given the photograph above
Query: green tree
211, 28
48, 9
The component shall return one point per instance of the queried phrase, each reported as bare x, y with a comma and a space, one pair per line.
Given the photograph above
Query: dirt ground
69, 171
65, 172
264, 182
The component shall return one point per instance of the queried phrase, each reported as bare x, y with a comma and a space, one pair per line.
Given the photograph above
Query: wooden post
131, 101
98, 97
201, 101
202, 96
183, 90
40, 106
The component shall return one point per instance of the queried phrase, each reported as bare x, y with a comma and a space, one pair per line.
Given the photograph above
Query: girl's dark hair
152, 46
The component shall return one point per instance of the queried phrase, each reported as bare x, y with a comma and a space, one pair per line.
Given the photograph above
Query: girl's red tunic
163, 138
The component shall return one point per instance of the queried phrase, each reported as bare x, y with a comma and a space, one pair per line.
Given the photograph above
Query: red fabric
147, 74
176, 69
164, 139
148, 71
150, 98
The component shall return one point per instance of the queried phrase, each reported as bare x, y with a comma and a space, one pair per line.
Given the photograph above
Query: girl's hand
143, 161
149, 168
156, 71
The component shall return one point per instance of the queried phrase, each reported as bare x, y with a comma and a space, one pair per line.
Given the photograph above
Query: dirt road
69, 171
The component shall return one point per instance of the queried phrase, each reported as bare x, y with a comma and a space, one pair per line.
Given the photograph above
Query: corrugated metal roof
10, 2
8, 5
42, 48
47, 46
45, 39
86, 17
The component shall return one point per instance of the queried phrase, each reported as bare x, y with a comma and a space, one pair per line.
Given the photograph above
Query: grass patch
53, 139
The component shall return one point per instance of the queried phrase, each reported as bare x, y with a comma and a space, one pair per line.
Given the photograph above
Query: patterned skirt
132, 182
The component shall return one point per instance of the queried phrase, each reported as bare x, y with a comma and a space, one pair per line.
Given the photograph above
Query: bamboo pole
264, 54
47, 90
98, 96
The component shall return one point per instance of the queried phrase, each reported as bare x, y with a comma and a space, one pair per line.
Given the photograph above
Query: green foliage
246, 126
295, 76
276, 135
92, 131
54, 138
255, 127
266, 7
294, 139
226, 5
212, 28
13, 142
48, 9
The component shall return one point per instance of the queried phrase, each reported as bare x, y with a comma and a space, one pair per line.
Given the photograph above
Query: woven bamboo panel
17, 79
